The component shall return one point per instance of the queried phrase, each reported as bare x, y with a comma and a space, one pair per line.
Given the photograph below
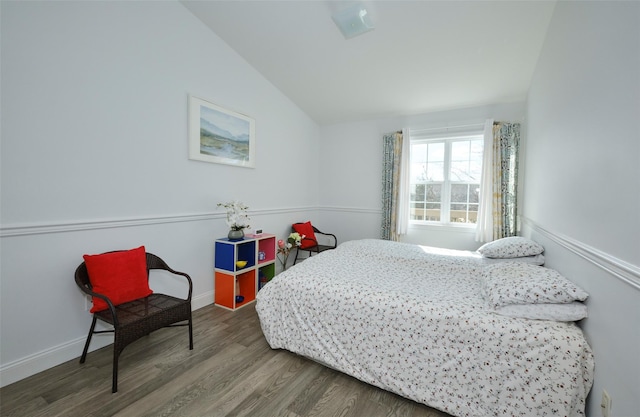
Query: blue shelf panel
247, 252
225, 256
228, 252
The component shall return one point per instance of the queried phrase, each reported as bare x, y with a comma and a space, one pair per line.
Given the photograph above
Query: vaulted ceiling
422, 56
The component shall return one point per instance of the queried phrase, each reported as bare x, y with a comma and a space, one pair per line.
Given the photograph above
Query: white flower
237, 218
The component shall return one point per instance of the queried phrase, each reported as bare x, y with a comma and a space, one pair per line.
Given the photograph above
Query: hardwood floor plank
216, 399
197, 392
232, 371
314, 390
336, 401
195, 397
178, 391
276, 388
27, 408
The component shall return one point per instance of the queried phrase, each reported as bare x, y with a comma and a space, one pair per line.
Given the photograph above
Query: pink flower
281, 244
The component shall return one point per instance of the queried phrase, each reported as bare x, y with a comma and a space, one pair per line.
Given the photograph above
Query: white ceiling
423, 56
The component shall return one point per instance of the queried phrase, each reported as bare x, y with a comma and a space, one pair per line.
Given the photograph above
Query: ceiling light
353, 21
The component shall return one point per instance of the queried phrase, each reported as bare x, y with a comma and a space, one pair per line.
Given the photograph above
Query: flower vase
282, 256
236, 234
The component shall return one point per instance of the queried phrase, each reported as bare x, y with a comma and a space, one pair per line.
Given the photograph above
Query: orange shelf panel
225, 290
247, 286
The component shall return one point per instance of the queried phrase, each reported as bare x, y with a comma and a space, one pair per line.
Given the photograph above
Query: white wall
582, 179
351, 170
94, 157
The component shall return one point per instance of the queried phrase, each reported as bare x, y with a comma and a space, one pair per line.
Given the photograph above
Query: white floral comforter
413, 322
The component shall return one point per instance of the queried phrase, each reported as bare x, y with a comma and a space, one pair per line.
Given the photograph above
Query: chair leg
296, 258
190, 333
114, 380
86, 344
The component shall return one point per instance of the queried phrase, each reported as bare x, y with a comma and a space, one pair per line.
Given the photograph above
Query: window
445, 179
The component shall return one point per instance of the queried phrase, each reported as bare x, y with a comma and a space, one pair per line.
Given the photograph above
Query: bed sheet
398, 250
413, 322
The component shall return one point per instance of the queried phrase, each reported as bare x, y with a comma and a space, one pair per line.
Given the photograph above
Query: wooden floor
231, 372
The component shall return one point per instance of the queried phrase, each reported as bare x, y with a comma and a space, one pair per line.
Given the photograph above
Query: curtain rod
447, 127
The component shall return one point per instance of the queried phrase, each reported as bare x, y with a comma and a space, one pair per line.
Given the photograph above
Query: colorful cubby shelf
235, 285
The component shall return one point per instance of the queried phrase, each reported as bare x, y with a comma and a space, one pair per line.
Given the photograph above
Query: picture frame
220, 135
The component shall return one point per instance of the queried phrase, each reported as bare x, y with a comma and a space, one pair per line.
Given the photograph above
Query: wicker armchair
137, 318
310, 242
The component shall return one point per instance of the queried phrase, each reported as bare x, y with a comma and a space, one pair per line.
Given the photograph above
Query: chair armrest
92, 293
335, 239
310, 239
155, 262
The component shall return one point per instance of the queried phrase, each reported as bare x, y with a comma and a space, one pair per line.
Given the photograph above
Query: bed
424, 323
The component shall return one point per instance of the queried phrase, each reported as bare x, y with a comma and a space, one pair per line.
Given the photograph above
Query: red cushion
307, 230
121, 276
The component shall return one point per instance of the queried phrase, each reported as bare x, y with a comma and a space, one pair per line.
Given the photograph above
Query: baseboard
201, 300
48, 358
40, 361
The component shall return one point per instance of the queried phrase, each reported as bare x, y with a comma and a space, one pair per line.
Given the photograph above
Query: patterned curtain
392, 154
506, 143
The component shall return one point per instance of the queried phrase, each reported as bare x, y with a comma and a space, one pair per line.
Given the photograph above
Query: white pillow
559, 312
535, 260
510, 247
521, 283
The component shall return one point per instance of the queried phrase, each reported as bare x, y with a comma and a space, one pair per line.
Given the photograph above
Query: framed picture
220, 135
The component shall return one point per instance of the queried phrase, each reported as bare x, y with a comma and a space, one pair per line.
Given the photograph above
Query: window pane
473, 213
418, 172
418, 163
474, 193
459, 213
460, 150
417, 211
436, 152
435, 162
460, 171
434, 193
459, 193
435, 171
419, 153
417, 192
466, 160
433, 212
475, 160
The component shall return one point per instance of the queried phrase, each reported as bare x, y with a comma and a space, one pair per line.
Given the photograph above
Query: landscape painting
220, 135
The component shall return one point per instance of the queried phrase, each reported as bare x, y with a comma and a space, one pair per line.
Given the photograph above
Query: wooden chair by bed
310, 243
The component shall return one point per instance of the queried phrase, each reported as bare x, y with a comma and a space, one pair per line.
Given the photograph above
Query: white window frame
447, 137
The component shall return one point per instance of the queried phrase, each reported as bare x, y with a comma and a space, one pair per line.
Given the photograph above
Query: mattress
412, 320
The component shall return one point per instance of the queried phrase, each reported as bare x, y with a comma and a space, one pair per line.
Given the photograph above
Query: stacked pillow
517, 289
514, 248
